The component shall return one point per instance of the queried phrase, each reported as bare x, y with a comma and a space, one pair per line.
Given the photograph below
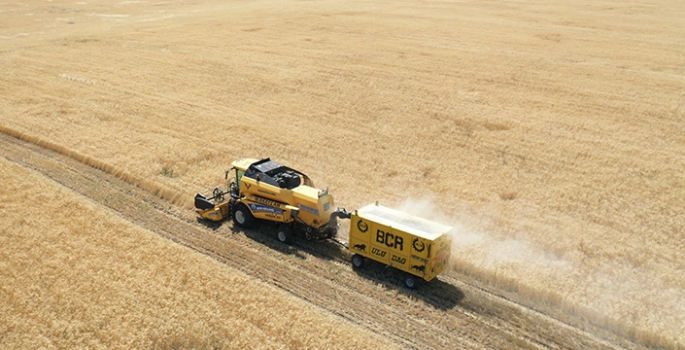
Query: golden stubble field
552, 135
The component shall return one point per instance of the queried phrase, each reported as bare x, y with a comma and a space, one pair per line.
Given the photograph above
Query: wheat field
550, 135
82, 277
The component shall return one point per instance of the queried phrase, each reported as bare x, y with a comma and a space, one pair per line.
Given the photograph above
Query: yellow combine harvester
267, 190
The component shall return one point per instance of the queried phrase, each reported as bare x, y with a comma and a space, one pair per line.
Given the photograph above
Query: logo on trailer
418, 245
361, 247
390, 240
362, 226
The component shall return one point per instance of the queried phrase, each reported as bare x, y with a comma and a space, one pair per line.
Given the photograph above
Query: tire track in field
439, 315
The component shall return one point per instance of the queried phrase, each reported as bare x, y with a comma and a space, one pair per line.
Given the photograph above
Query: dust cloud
483, 250
608, 294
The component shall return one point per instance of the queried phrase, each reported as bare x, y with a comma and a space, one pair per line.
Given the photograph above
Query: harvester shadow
326, 249
212, 225
437, 293
265, 234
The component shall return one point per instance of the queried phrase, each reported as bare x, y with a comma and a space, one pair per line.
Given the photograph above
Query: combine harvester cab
419, 247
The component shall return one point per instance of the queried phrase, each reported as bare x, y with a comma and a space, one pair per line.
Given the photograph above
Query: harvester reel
218, 195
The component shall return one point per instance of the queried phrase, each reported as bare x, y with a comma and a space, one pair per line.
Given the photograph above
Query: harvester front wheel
242, 216
357, 261
284, 234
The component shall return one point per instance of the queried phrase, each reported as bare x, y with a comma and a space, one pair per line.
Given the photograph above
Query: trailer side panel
403, 241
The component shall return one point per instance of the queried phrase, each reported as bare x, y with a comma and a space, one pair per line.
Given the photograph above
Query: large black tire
410, 281
242, 216
284, 234
358, 261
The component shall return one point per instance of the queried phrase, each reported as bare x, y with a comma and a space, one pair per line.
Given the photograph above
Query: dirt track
447, 313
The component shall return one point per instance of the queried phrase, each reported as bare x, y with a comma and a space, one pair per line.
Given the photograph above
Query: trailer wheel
357, 261
242, 216
410, 281
284, 234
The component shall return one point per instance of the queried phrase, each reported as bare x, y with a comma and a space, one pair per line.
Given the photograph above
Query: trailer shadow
438, 293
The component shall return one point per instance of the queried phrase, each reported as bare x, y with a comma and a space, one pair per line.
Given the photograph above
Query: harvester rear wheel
357, 261
284, 234
242, 216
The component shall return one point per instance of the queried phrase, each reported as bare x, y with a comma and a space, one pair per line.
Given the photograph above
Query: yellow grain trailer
417, 246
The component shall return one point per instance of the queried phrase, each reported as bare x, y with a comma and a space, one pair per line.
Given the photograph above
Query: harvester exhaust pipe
341, 213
